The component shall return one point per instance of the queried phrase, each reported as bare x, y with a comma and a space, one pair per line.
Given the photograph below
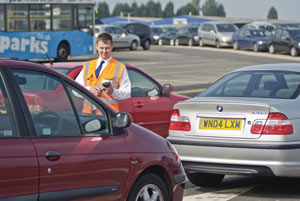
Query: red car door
19, 173
151, 109
74, 163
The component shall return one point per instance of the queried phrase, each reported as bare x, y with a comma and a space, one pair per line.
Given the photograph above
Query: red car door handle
52, 155
138, 104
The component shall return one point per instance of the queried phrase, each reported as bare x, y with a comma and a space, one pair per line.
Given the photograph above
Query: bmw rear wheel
146, 45
149, 187
205, 179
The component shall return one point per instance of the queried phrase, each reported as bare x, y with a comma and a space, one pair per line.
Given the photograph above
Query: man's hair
105, 37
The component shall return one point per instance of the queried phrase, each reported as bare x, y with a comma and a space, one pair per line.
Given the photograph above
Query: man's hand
107, 90
96, 91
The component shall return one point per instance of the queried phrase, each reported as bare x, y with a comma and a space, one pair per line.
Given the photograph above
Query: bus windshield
36, 29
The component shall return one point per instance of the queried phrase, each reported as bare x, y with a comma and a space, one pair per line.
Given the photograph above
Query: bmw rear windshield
256, 84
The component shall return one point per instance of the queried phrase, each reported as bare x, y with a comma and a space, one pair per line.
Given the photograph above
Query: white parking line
222, 195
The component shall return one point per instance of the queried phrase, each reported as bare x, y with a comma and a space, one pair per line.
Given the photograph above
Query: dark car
285, 40
157, 32
169, 35
187, 35
52, 150
142, 30
250, 39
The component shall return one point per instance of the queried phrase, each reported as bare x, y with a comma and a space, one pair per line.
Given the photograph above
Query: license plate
220, 124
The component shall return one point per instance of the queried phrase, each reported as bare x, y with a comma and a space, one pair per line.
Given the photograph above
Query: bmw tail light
276, 124
178, 122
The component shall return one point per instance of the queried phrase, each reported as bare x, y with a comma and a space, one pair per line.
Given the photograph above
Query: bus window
2, 22
62, 17
40, 17
17, 17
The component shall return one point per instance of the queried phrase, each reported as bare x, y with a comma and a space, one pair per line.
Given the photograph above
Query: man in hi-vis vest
105, 77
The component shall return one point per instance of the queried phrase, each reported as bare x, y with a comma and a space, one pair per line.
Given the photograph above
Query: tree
213, 8
121, 8
272, 14
103, 10
134, 9
196, 4
187, 9
169, 10
158, 10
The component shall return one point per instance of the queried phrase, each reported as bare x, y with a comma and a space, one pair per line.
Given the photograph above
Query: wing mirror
92, 126
167, 89
122, 120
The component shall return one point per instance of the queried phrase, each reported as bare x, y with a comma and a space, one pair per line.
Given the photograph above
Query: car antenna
50, 61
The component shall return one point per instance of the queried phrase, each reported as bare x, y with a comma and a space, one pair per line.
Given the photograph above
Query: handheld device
106, 84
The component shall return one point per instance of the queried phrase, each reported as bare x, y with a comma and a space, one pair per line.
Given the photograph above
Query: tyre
149, 187
176, 42
160, 42
235, 45
255, 47
294, 52
172, 42
63, 51
190, 42
218, 45
133, 45
146, 45
271, 49
201, 44
205, 179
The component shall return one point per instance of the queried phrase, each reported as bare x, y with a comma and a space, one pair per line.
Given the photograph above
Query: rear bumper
281, 159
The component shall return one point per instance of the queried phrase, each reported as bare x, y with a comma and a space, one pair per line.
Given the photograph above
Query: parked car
157, 32
250, 39
269, 27
216, 33
121, 38
150, 104
169, 36
246, 123
67, 154
187, 35
285, 40
139, 29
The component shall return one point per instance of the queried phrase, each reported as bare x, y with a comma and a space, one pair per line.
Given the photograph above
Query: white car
121, 38
246, 123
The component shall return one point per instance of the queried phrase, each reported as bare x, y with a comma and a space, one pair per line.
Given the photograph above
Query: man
105, 77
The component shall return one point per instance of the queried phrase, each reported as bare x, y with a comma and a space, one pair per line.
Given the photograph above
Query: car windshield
157, 30
63, 70
193, 30
295, 33
226, 28
256, 84
258, 33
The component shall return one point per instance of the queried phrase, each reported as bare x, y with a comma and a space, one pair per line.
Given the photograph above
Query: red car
150, 105
51, 150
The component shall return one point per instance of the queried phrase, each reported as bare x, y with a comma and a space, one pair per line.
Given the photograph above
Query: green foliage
213, 8
169, 10
103, 10
121, 7
272, 14
187, 9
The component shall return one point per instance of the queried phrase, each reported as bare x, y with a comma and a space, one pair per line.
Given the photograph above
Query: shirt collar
105, 61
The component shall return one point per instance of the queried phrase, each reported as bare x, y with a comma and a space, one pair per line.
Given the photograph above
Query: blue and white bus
39, 29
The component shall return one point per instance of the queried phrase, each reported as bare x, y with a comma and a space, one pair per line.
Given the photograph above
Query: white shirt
124, 90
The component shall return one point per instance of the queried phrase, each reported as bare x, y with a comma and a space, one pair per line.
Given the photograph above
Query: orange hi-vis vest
112, 72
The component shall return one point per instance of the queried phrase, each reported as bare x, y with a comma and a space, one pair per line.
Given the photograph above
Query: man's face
104, 49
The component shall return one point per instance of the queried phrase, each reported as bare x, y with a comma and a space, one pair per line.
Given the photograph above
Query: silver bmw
246, 123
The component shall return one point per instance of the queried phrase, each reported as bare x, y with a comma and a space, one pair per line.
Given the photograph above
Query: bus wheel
63, 51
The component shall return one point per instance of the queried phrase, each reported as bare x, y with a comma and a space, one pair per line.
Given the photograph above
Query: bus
44, 29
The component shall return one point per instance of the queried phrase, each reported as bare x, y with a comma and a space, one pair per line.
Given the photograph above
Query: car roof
71, 65
277, 67
217, 22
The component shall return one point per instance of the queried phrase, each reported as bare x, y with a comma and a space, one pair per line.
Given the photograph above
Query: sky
253, 9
